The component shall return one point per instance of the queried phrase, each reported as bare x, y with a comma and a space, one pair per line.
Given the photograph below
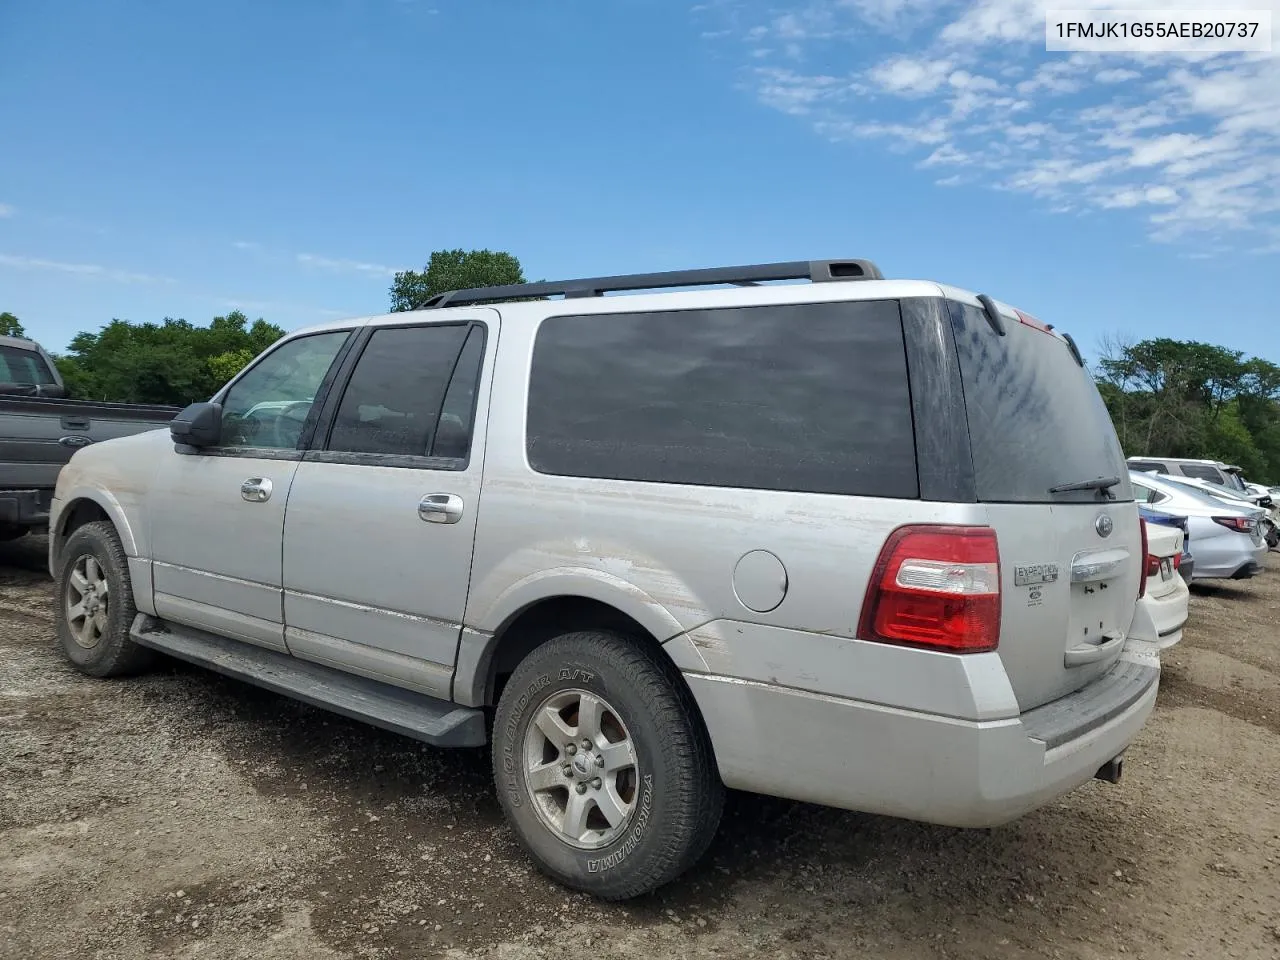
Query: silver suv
859, 542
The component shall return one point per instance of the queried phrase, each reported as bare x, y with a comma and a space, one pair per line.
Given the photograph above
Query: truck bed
39, 434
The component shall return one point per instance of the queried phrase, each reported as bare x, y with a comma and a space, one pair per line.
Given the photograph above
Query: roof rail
817, 271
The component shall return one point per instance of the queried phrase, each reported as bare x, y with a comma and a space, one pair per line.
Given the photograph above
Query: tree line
1171, 398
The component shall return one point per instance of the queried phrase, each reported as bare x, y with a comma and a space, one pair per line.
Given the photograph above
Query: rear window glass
1036, 419
807, 397
23, 366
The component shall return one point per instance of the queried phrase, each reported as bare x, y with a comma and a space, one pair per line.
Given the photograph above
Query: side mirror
198, 425
55, 391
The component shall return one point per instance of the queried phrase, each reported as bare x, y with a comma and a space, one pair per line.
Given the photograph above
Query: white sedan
1162, 608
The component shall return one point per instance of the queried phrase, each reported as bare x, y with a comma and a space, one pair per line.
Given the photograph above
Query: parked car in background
1162, 607
858, 542
1214, 470
1187, 564
1233, 497
40, 430
1227, 540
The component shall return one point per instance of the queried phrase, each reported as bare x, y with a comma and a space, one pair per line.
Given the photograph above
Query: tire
672, 792
93, 628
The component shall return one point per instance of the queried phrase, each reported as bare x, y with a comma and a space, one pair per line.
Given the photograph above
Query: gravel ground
183, 815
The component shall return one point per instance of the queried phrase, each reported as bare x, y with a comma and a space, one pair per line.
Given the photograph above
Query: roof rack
817, 271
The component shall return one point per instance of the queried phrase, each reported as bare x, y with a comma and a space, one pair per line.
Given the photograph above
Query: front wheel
94, 607
603, 767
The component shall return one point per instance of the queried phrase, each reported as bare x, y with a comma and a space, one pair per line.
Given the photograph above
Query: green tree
453, 270
171, 362
1178, 398
11, 326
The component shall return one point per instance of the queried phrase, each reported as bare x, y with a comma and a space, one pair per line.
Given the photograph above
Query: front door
217, 515
382, 513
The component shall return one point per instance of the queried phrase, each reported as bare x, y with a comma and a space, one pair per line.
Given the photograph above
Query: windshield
24, 366
1036, 420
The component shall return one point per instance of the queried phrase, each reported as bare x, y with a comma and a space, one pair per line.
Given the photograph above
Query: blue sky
183, 159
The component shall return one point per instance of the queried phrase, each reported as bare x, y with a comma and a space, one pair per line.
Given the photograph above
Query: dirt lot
182, 815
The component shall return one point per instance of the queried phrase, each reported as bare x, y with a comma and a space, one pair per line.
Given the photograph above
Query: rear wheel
603, 767
95, 608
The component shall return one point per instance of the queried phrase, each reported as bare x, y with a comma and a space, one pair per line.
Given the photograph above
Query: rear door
1071, 559
380, 527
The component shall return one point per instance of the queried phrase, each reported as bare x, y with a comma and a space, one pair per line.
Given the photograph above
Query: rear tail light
1145, 571
1239, 524
1153, 565
1177, 561
935, 587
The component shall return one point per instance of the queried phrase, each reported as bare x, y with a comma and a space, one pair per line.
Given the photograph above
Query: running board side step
437, 722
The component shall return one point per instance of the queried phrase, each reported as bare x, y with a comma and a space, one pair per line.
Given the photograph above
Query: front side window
805, 397
25, 367
404, 397
268, 406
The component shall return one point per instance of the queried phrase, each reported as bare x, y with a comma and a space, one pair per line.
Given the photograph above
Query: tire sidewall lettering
634, 837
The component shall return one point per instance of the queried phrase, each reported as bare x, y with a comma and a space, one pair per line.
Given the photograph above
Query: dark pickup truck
40, 429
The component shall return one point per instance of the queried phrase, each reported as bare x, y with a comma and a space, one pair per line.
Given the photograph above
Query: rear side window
1202, 471
806, 397
393, 402
1148, 465
24, 366
1036, 419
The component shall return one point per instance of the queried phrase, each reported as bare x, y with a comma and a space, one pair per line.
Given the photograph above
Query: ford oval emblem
1104, 525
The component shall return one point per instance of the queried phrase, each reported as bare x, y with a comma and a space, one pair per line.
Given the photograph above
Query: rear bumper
1247, 570
877, 759
1159, 620
25, 508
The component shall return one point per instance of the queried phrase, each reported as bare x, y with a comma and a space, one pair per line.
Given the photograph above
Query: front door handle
440, 508
256, 490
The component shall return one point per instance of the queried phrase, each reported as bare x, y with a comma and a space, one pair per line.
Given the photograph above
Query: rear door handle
256, 490
440, 508
75, 423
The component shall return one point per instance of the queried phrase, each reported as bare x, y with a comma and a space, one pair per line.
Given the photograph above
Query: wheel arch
88, 508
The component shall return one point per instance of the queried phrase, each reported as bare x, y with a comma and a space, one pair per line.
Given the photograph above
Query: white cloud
90, 270
908, 76
6, 211
1116, 75
345, 266
1190, 143
313, 260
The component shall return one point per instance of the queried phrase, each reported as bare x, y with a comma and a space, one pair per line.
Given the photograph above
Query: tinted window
392, 402
1146, 465
1036, 419
1201, 471
23, 366
809, 397
453, 435
268, 406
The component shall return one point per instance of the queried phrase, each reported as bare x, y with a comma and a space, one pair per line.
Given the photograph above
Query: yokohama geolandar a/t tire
94, 604
603, 766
